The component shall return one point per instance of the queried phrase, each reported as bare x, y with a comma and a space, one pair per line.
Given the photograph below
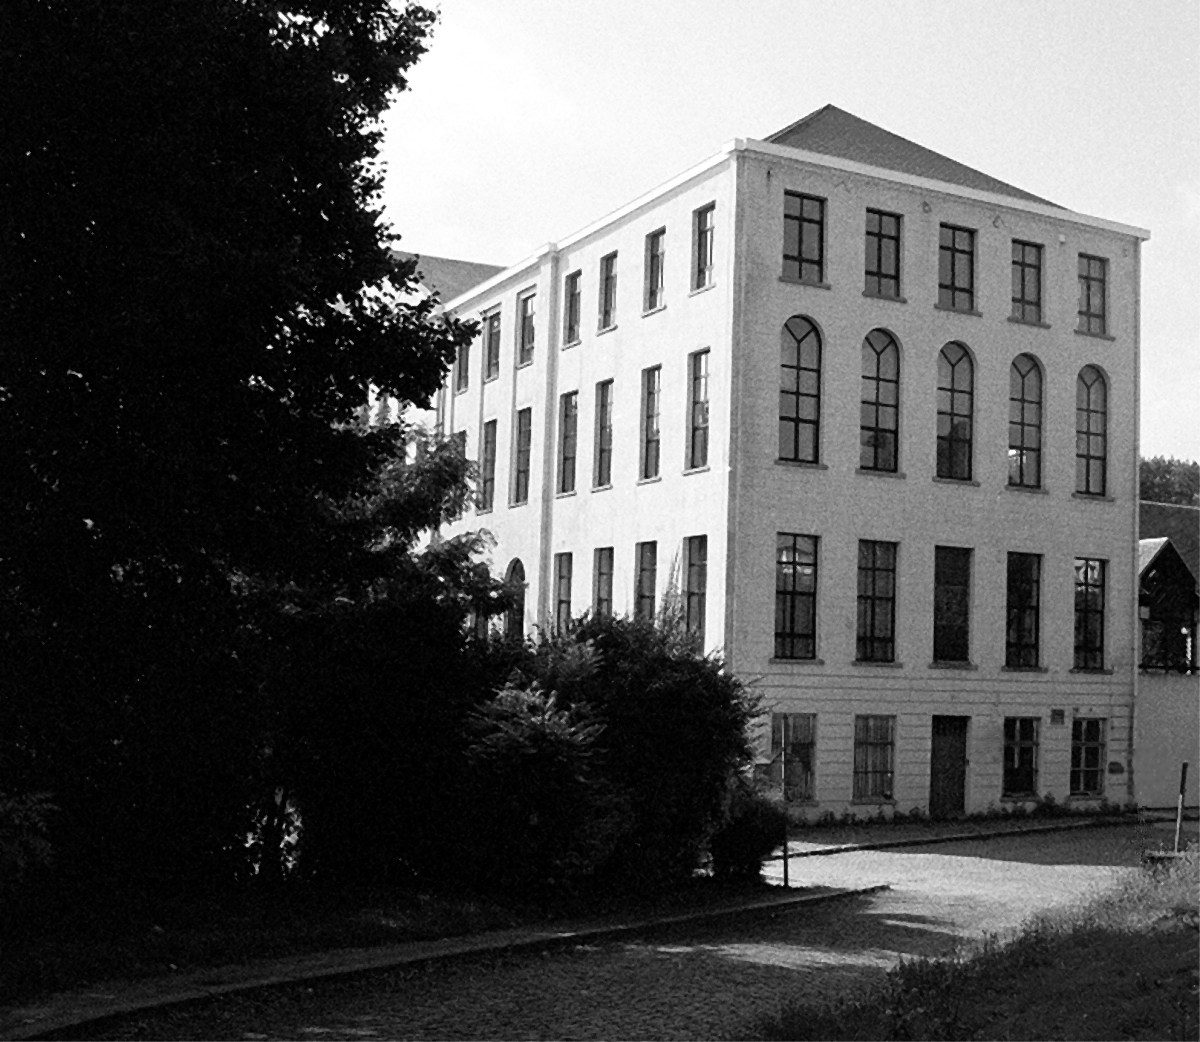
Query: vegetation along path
695, 981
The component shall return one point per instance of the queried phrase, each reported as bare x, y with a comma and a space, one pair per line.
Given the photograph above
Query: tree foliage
1165, 479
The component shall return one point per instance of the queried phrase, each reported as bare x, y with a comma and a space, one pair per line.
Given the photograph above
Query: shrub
755, 826
24, 849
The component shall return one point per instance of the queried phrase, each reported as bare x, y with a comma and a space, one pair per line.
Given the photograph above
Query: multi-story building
873, 415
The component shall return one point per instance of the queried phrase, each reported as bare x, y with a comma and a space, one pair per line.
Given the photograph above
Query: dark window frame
608, 291
698, 417
602, 580
1027, 281
563, 568
1026, 388
572, 310
1023, 604
462, 369
523, 436
793, 395
956, 268
602, 466
1089, 749
876, 632
1022, 736
526, 329
646, 581
955, 452
1091, 432
807, 227
1090, 577
874, 757
794, 739
881, 278
568, 440
879, 417
703, 238
655, 270
695, 587
1093, 294
487, 466
951, 592
491, 349
796, 573
650, 462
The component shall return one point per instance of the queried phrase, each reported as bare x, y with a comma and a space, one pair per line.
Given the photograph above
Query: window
956, 268
602, 465
795, 596
793, 755
1026, 281
874, 747
487, 486
1089, 613
1025, 423
880, 409
520, 492
656, 251
644, 588
651, 394
951, 604
1024, 582
602, 580
571, 308
698, 410
696, 584
491, 346
608, 291
876, 601
883, 254
956, 397
702, 246
568, 431
525, 331
803, 237
1020, 755
514, 620
800, 391
1087, 756
462, 368
1093, 279
562, 592
1091, 432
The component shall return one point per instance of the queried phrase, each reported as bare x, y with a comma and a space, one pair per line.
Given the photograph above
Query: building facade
871, 417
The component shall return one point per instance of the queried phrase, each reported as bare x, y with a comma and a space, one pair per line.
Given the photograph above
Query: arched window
879, 419
800, 391
1025, 423
514, 620
1091, 432
956, 404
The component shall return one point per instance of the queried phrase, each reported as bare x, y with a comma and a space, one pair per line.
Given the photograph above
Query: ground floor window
1020, 755
793, 748
1087, 756
874, 749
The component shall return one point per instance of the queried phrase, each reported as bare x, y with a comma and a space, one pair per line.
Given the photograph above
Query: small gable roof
834, 132
1180, 524
449, 278
1148, 550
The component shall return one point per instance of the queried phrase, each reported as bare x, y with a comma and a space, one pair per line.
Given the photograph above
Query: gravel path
691, 982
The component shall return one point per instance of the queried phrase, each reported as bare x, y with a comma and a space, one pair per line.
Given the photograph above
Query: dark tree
1168, 480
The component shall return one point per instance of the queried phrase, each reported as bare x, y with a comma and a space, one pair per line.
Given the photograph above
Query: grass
1123, 965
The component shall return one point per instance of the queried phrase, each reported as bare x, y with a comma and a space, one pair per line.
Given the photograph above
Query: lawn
1121, 966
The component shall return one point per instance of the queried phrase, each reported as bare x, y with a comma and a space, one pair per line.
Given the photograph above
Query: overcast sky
528, 119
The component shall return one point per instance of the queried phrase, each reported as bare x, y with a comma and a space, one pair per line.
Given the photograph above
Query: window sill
1091, 497
479, 511
811, 283
522, 503
957, 311
492, 378
883, 296
647, 312
968, 666
1095, 671
461, 390
605, 329
701, 289
880, 473
801, 464
525, 365
956, 481
870, 664
801, 661
1018, 797
1085, 797
1094, 336
1024, 669
1025, 322
602, 488
874, 801
650, 481
696, 470
564, 495
1028, 490
572, 343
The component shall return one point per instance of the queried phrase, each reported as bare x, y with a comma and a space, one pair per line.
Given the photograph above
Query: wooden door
948, 767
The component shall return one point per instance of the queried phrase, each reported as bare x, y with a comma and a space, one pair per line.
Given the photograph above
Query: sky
529, 119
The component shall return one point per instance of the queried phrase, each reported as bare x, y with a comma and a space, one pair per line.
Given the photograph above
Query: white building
877, 413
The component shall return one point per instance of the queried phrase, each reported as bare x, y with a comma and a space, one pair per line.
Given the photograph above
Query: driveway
694, 982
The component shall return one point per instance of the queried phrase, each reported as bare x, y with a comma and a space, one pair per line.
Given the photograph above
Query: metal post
1178, 807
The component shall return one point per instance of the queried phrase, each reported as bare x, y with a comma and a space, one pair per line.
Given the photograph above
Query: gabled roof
1181, 524
834, 132
1148, 550
449, 278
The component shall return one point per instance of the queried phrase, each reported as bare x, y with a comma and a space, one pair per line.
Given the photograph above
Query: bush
755, 826
24, 849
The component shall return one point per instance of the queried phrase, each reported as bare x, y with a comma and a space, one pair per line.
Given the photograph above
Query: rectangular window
883, 254
491, 346
487, 469
656, 252
602, 467
462, 368
647, 576
793, 755
956, 268
1024, 594
698, 410
1093, 281
568, 437
951, 604
1089, 613
696, 584
803, 237
1020, 755
571, 300
1026, 281
562, 592
795, 596
651, 395
608, 291
876, 601
874, 757
525, 332
524, 431
602, 580
1087, 756
702, 246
